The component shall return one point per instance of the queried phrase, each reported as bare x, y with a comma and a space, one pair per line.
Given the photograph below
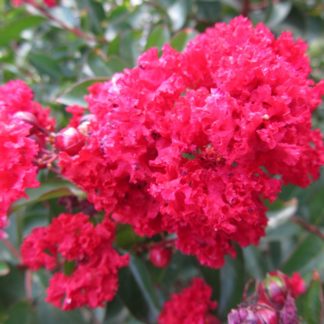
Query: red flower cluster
48, 3
191, 306
22, 125
274, 302
81, 254
192, 143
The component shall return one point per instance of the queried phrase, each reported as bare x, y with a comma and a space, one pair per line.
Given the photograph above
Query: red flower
82, 255
192, 143
48, 3
160, 256
23, 126
191, 306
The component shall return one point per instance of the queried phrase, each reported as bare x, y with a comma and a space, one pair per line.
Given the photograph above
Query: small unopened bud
253, 314
296, 285
69, 140
273, 290
160, 256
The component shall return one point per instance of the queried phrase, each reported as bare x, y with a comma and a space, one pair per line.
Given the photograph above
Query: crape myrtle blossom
81, 255
190, 306
193, 142
21, 139
48, 3
273, 303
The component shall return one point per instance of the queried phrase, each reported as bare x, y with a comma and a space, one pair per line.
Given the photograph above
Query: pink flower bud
257, 314
69, 140
160, 256
273, 290
296, 285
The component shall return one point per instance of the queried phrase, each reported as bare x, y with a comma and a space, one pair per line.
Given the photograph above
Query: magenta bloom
48, 3
192, 305
81, 254
21, 140
192, 143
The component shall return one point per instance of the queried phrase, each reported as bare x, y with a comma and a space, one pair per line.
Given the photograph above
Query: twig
29, 285
308, 227
245, 8
11, 248
76, 31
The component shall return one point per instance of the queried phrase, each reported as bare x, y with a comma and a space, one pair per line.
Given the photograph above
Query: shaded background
60, 52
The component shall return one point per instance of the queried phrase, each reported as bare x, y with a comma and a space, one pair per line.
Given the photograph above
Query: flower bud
296, 285
257, 314
69, 140
273, 290
160, 256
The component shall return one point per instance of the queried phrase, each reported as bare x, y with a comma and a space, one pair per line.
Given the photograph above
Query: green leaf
188, 156
143, 279
208, 11
232, 279
47, 192
212, 277
306, 254
49, 314
254, 263
4, 269
137, 292
75, 94
11, 288
309, 304
95, 14
158, 37
21, 312
68, 267
178, 13
277, 13
132, 296
12, 29
105, 68
45, 65
180, 40
126, 237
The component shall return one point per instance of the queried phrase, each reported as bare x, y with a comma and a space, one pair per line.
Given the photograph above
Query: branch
308, 227
11, 248
245, 8
76, 31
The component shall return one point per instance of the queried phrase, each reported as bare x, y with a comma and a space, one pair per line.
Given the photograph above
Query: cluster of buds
273, 303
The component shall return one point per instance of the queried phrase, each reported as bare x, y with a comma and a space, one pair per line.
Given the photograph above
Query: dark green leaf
309, 304
232, 280
158, 37
178, 13
68, 267
137, 291
11, 288
21, 313
12, 30
4, 269
309, 251
277, 13
75, 94
45, 65
180, 40
126, 237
